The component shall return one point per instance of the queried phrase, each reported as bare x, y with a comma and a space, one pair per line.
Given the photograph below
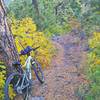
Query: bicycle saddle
27, 50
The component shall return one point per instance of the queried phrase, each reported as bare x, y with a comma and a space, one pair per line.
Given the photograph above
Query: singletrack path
65, 73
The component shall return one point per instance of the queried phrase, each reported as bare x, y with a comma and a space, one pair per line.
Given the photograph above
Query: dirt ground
66, 72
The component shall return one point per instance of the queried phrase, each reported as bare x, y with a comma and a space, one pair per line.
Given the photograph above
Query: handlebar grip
36, 48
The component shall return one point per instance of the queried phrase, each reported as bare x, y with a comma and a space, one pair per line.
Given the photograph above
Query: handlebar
27, 50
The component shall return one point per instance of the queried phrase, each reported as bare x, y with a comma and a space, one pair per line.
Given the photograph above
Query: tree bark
8, 52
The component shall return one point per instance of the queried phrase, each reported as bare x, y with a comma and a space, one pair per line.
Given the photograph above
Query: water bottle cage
33, 62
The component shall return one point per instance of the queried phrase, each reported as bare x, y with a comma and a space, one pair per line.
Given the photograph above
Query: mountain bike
21, 80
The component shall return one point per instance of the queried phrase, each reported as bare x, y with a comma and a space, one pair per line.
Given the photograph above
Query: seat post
28, 54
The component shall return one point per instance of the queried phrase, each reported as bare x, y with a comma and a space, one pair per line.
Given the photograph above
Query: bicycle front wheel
38, 71
10, 86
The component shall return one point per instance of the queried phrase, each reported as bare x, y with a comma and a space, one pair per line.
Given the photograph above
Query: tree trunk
8, 52
35, 4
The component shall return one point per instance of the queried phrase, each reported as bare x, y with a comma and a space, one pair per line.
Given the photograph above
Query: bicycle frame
25, 77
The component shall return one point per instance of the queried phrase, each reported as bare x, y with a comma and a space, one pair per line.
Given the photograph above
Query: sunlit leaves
95, 41
26, 34
2, 80
94, 67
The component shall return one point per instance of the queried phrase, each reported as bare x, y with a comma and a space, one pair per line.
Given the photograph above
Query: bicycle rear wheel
38, 71
10, 85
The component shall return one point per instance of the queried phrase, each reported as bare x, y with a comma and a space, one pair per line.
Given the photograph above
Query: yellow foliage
95, 40
2, 81
2, 84
26, 35
26, 25
97, 61
95, 43
11, 92
94, 66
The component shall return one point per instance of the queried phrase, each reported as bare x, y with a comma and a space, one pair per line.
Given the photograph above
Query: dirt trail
65, 73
